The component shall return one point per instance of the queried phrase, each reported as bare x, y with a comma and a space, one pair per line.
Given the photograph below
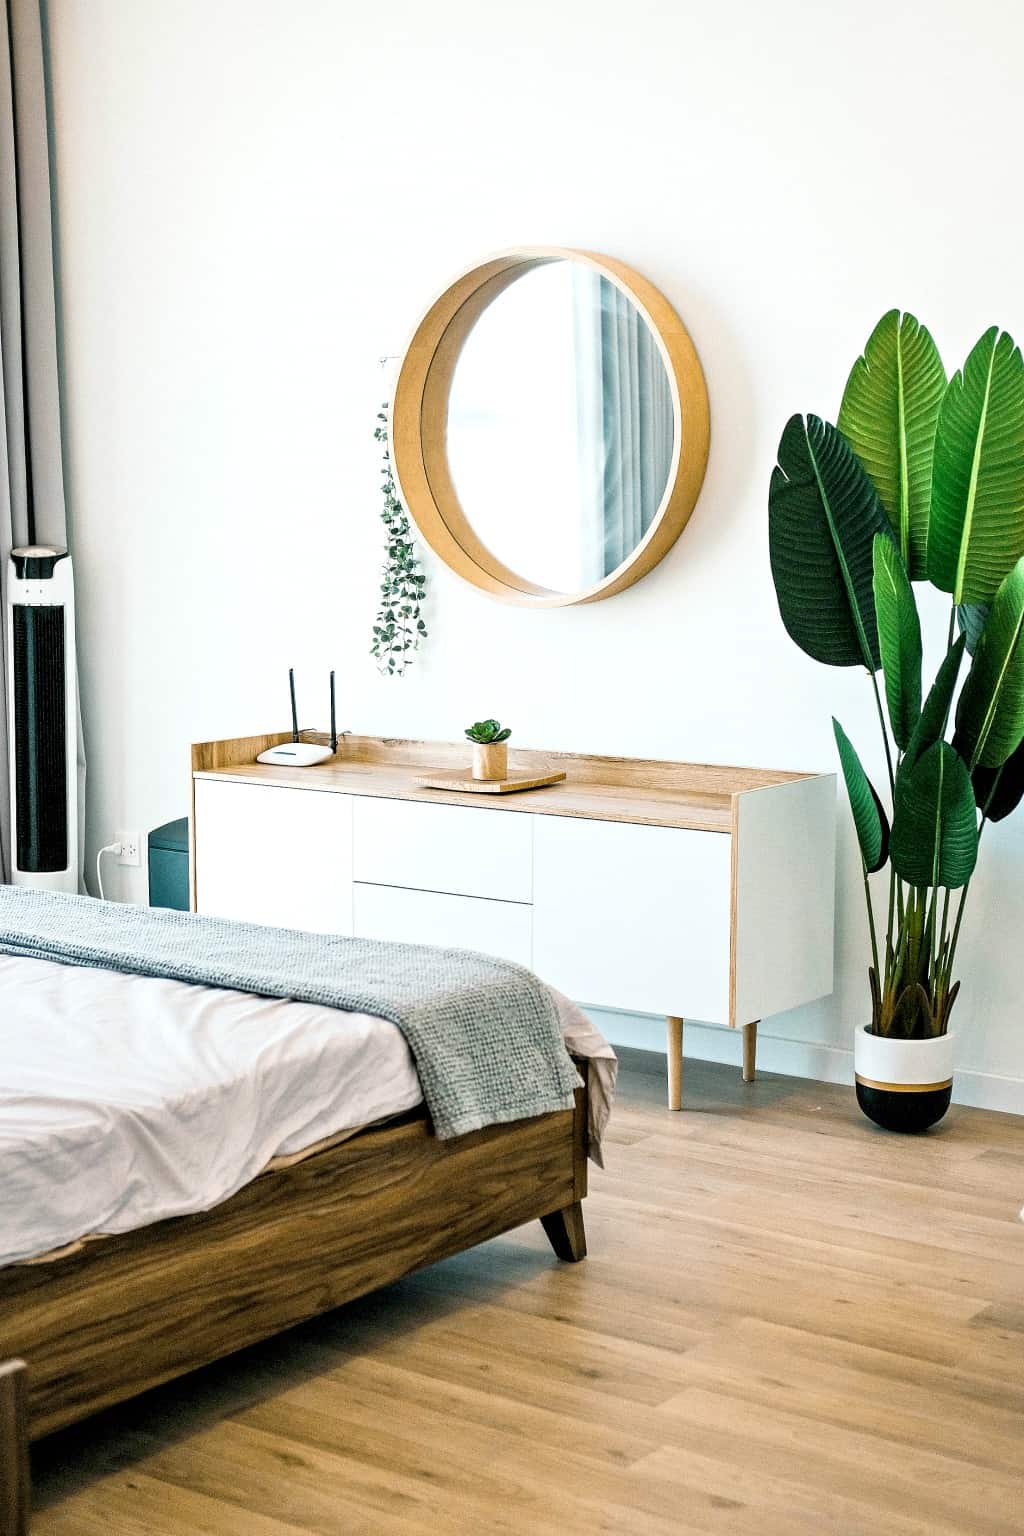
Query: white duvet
125, 1100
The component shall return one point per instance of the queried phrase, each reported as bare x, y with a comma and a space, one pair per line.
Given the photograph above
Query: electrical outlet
129, 854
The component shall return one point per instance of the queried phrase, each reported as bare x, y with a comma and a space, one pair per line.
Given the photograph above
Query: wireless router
296, 753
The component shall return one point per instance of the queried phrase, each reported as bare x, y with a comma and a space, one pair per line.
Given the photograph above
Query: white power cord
110, 848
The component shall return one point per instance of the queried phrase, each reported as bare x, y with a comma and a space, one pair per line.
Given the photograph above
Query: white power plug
126, 849
110, 848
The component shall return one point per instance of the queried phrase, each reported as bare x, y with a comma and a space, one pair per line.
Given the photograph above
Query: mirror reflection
560, 429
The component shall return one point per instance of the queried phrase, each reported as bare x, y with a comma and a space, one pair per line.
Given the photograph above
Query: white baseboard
794, 1058
987, 1090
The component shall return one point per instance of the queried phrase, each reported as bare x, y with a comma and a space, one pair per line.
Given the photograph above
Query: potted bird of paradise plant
920, 479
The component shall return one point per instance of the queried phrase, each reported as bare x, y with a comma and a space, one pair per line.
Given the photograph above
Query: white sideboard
679, 889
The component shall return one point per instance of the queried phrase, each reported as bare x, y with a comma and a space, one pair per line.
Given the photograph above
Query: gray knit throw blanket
484, 1033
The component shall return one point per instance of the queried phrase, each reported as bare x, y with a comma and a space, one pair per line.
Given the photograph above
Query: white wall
256, 199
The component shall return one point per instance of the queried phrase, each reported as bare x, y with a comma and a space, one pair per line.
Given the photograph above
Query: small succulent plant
488, 732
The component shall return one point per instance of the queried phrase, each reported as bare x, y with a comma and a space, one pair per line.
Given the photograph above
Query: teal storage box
168, 866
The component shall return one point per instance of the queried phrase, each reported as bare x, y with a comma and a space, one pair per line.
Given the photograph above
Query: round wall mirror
550, 427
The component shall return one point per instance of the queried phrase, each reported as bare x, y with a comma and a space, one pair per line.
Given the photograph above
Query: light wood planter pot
490, 760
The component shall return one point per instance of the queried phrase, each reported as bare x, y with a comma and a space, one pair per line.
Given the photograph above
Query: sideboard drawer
277, 856
459, 849
500, 928
633, 917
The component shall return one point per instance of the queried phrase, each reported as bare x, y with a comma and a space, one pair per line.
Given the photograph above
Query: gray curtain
626, 425
31, 474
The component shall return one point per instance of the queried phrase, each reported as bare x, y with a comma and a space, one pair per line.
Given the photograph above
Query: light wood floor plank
769, 1367
944, 1488
790, 1324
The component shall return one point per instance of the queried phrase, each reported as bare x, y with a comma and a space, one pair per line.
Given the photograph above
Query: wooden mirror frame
419, 417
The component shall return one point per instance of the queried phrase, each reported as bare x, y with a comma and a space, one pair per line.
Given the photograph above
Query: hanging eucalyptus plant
399, 628
922, 479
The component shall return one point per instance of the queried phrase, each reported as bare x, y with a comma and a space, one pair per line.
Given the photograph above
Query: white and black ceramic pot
903, 1085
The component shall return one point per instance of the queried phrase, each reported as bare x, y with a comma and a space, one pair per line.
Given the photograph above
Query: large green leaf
976, 525
899, 639
990, 714
931, 727
869, 816
999, 791
935, 825
823, 514
971, 618
888, 415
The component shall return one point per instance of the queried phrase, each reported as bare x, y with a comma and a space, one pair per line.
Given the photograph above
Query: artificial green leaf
990, 713
888, 416
935, 825
971, 618
823, 514
912, 1016
899, 638
931, 727
399, 628
912, 954
999, 791
869, 816
976, 524
876, 1001
948, 1006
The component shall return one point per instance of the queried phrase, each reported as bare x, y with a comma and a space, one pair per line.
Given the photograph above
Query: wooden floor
789, 1323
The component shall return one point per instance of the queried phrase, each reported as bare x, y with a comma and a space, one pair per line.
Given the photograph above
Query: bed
295, 1213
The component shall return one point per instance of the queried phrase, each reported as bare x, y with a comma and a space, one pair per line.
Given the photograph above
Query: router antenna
334, 718
296, 753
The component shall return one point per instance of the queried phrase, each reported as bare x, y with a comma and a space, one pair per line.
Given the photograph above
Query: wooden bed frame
126, 1313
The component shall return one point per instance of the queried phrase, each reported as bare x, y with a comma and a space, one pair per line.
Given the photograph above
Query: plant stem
896, 881
945, 920
885, 734
960, 910
932, 934
940, 981
895, 884
871, 925
956, 928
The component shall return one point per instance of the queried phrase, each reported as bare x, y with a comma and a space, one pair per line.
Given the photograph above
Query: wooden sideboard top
698, 796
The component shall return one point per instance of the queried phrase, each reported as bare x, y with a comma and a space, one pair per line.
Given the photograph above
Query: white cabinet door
785, 896
500, 928
443, 848
633, 917
274, 855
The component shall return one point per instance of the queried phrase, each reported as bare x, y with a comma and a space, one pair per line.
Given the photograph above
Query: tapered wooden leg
14, 1484
675, 1063
749, 1052
566, 1233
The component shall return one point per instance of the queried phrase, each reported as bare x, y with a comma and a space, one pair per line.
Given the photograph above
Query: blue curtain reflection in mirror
560, 429
625, 421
